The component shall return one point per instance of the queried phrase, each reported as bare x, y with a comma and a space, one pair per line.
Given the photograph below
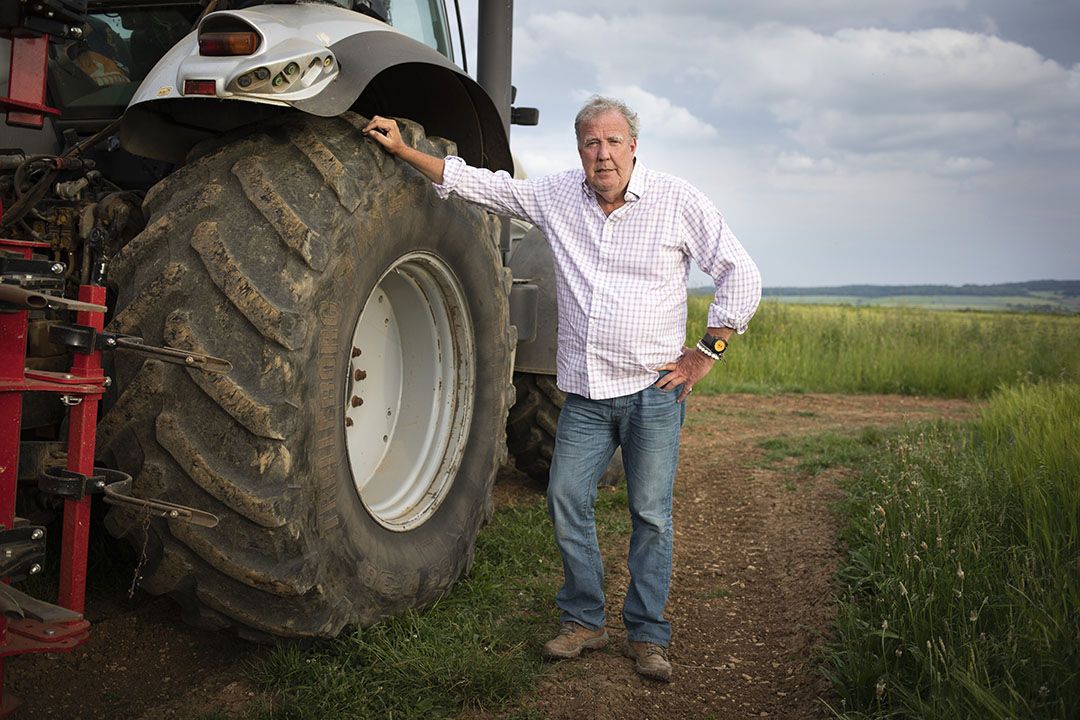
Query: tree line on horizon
1066, 288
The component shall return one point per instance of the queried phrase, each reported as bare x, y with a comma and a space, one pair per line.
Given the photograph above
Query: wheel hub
408, 394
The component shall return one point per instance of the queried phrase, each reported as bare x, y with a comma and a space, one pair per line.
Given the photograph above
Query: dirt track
755, 553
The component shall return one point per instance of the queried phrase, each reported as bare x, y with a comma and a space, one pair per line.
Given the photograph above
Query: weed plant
962, 582
795, 348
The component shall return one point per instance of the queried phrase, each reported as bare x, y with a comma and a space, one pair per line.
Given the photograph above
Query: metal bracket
74, 485
117, 494
32, 273
84, 338
22, 551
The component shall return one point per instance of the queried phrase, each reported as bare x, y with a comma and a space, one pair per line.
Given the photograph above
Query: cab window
96, 75
423, 20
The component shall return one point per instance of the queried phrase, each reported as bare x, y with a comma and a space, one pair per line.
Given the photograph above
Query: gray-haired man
622, 237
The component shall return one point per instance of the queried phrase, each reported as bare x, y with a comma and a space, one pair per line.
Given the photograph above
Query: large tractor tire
530, 429
351, 451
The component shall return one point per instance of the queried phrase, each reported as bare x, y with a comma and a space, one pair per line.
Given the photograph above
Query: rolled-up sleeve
720, 254
496, 192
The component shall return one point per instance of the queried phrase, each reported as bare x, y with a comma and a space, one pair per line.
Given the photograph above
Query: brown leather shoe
650, 660
572, 639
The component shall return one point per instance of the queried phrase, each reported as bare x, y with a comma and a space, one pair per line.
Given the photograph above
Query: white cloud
963, 166
659, 116
840, 148
823, 15
850, 91
798, 163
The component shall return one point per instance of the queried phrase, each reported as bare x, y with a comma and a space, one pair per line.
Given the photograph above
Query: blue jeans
646, 425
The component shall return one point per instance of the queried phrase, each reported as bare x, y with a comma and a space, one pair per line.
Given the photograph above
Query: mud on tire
265, 252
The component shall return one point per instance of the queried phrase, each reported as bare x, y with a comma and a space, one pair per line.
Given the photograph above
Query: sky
845, 141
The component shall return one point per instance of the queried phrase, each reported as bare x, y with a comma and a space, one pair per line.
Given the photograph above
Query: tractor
284, 363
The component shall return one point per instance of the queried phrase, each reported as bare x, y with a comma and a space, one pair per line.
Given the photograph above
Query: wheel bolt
357, 401
359, 375
348, 422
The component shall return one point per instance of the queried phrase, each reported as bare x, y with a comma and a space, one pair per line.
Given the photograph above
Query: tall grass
962, 584
794, 348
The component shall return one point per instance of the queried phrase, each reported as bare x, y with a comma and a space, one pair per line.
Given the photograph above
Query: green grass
962, 581
819, 452
476, 648
804, 348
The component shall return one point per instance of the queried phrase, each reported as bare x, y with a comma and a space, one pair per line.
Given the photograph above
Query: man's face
607, 152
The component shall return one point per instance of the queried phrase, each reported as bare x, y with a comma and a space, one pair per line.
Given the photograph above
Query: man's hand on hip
687, 370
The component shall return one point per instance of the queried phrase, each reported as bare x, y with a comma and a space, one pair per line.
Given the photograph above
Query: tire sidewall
422, 562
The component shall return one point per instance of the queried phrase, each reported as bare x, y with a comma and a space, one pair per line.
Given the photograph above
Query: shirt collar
636, 186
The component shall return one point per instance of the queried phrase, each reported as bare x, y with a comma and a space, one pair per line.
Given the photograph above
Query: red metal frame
26, 85
26, 107
86, 382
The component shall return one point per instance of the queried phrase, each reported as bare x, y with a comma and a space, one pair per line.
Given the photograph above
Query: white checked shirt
621, 278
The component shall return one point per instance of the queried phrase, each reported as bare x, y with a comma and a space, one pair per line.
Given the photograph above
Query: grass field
801, 348
962, 584
962, 581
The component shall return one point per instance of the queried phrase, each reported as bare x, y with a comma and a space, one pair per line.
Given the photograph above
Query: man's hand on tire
385, 132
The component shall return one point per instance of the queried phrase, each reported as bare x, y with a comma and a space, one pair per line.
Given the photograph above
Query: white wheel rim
408, 396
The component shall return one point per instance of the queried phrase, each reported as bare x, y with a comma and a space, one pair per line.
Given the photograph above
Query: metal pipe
494, 47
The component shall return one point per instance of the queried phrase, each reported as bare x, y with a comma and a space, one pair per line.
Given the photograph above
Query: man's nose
603, 151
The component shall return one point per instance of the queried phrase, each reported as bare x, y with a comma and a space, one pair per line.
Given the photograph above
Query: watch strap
706, 350
714, 346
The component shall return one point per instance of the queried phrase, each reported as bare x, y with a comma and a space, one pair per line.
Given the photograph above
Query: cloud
841, 148
797, 163
824, 15
659, 116
663, 124
852, 91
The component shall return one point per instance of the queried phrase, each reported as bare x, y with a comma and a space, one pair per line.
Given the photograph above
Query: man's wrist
714, 343
707, 351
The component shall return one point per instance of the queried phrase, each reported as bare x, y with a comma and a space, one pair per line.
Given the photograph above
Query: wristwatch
712, 346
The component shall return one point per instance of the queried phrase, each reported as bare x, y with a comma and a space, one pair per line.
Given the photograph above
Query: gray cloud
846, 141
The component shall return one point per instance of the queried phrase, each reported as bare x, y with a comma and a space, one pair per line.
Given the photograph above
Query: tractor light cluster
285, 75
235, 58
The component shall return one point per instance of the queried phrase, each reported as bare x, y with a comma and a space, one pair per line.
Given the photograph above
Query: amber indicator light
218, 44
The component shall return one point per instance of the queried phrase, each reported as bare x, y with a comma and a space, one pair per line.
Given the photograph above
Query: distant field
1051, 302
803, 348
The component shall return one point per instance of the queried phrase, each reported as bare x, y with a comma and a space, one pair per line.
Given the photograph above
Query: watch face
720, 345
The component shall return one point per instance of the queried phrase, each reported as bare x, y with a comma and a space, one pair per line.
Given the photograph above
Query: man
622, 237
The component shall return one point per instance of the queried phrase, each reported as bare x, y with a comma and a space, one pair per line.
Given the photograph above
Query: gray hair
599, 105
